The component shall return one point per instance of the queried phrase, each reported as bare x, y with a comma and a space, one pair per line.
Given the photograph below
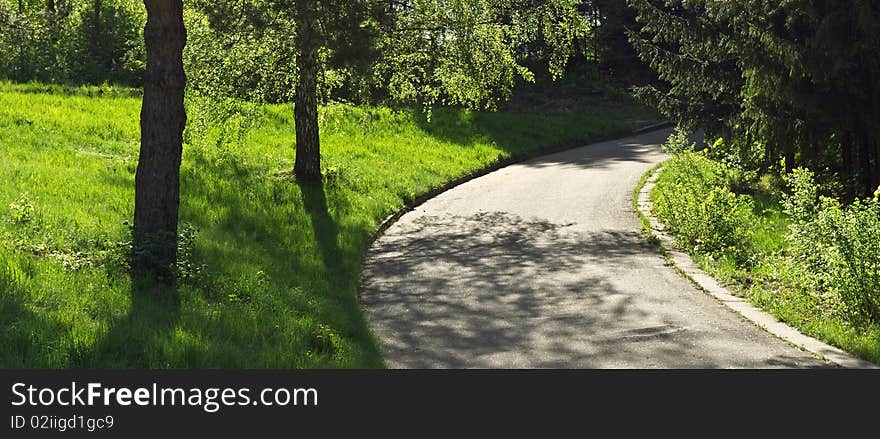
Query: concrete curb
707, 283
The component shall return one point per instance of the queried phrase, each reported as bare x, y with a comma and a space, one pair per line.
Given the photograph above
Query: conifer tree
800, 77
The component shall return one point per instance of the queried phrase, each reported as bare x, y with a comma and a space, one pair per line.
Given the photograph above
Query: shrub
189, 267
678, 142
22, 209
836, 247
696, 204
75, 43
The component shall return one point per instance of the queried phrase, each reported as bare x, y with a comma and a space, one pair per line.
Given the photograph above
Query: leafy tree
470, 53
72, 41
107, 42
293, 44
23, 31
461, 52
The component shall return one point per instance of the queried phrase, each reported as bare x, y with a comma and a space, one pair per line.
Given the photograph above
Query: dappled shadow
492, 290
521, 134
496, 290
19, 327
277, 259
135, 339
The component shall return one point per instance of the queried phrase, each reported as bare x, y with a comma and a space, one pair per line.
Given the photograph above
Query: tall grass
272, 268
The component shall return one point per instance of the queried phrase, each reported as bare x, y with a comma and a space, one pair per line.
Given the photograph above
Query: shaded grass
768, 278
273, 268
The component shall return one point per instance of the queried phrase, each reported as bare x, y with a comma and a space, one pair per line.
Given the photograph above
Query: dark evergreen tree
613, 51
800, 79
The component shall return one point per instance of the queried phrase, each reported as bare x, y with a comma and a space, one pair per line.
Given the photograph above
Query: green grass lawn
272, 268
757, 266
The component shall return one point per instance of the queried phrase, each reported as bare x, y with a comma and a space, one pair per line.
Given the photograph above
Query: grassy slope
768, 282
281, 263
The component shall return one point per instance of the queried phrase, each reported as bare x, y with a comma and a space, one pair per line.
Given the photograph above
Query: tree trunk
789, 157
97, 65
307, 166
22, 67
157, 183
868, 144
867, 163
97, 5
53, 33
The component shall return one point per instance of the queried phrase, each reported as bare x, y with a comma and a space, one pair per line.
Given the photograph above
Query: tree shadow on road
495, 290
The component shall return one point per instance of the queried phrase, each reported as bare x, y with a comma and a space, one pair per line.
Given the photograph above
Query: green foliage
263, 262
808, 259
739, 153
610, 47
248, 50
425, 52
22, 210
697, 205
792, 81
241, 62
325, 341
428, 52
77, 42
694, 57
837, 248
106, 45
678, 142
468, 52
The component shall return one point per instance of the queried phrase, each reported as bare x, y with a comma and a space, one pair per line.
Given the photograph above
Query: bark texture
307, 166
157, 183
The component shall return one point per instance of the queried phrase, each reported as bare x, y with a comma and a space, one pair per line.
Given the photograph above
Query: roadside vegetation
269, 269
779, 240
213, 212
783, 203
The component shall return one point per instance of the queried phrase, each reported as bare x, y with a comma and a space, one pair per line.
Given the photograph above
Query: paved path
542, 264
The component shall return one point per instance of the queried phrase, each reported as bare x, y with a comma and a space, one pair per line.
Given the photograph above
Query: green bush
79, 42
836, 247
22, 210
106, 45
678, 142
697, 205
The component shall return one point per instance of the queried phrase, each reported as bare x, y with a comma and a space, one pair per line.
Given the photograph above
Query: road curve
542, 265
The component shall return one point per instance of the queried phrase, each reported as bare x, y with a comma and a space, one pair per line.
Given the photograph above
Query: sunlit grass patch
271, 268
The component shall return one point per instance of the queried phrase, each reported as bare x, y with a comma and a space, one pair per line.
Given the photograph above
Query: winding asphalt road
542, 265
